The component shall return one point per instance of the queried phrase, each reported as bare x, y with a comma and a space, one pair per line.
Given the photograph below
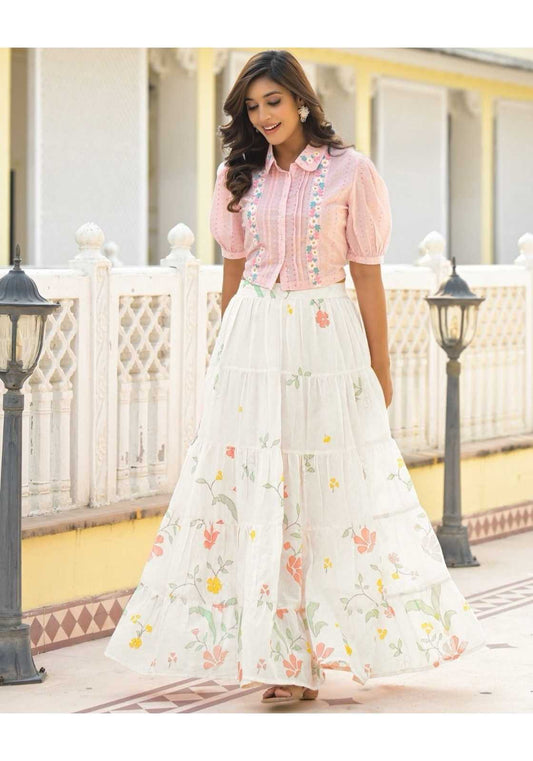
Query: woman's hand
373, 308
384, 377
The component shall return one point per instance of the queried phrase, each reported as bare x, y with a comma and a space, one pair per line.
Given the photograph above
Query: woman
294, 541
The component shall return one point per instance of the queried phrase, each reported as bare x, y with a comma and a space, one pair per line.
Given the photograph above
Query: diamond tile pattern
71, 623
499, 523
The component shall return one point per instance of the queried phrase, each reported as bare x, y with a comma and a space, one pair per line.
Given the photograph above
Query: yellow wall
205, 154
504, 478
75, 564
5, 117
69, 566
487, 178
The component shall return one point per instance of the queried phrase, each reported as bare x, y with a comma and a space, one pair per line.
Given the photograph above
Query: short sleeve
369, 222
226, 226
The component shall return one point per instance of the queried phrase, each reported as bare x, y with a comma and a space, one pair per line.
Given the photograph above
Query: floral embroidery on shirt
308, 157
311, 249
257, 191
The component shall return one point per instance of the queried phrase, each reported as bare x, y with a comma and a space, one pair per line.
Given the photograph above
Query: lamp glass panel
452, 324
434, 316
470, 323
5, 341
28, 332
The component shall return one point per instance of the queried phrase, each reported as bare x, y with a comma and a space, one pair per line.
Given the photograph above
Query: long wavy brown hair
247, 147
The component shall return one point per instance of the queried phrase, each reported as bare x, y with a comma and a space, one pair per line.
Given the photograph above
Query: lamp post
453, 311
23, 313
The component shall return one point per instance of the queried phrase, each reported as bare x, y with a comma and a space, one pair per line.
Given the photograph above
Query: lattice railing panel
143, 389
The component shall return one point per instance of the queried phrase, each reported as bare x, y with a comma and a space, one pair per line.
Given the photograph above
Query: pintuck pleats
294, 540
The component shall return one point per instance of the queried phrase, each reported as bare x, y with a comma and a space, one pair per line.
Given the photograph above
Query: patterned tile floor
497, 678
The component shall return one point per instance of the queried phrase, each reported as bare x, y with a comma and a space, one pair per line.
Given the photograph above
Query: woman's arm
231, 277
372, 305
226, 228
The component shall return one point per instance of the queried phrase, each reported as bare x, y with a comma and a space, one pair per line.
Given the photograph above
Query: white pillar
92, 261
87, 149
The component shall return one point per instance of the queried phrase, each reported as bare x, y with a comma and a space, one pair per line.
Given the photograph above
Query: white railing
117, 394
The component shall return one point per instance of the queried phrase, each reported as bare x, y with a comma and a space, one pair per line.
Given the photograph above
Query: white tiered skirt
294, 540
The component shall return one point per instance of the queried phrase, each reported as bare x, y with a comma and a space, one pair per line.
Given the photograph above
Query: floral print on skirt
294, 541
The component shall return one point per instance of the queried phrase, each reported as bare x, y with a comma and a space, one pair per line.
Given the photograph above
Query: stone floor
498, 678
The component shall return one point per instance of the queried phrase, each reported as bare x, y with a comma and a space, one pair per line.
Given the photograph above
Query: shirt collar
308, 159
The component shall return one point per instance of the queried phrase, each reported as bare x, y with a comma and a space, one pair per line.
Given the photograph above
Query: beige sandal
297, 692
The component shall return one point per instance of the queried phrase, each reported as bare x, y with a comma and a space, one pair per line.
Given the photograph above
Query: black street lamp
453, 311
23, 313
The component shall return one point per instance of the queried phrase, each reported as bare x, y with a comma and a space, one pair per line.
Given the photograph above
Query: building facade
127, 137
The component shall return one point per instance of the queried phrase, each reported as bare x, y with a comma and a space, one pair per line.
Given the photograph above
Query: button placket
293, 203
283, 215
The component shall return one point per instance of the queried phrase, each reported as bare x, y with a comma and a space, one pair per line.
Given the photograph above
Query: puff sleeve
369, 222
226, 226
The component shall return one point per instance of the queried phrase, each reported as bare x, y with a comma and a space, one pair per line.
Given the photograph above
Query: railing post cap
434, 243
180, 236
111, 250
525, 247
180, 239
89, 236
525, 243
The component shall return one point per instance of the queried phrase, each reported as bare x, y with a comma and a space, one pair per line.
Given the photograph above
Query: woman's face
268, 104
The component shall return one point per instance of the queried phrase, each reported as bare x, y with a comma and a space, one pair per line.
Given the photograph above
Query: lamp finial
17, 258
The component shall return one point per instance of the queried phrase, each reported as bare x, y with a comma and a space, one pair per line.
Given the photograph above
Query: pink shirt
305, 223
